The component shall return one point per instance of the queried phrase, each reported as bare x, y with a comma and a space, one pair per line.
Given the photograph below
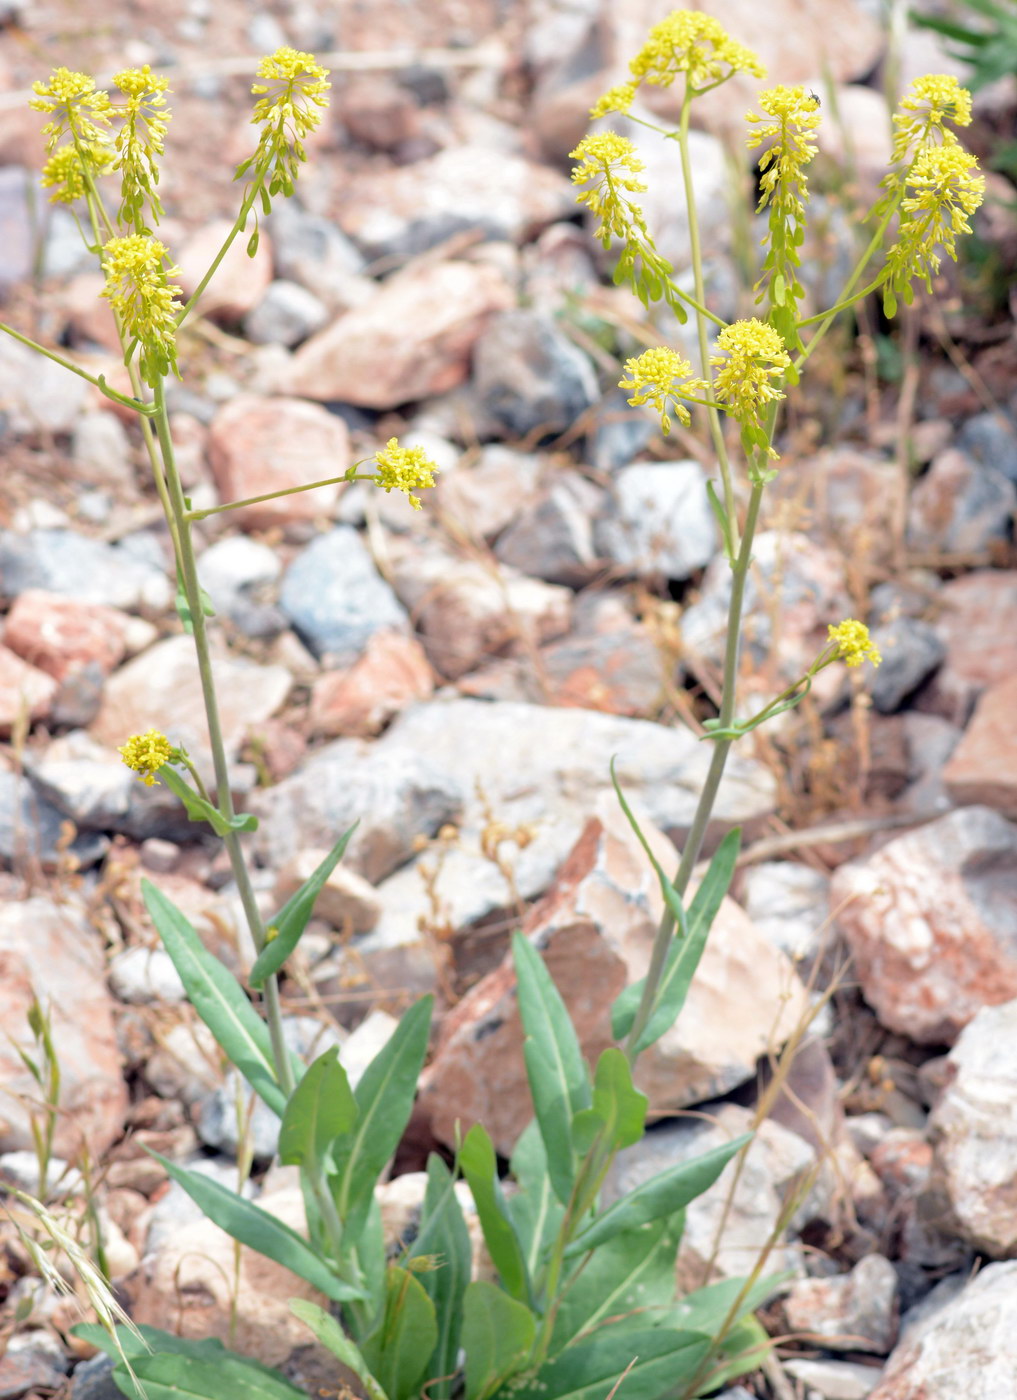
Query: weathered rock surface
856, 1311
392, 673
239, 282
26, 693
529, 377
336, 599
660, 521
983, 766
60, 561
61, 634
930, 920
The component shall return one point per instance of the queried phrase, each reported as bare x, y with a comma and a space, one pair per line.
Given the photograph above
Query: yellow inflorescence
76, 106
941, 190
64, 172
139, 290
291, 98
750, 366
792, 116
616, 99
690, 42
145, 754
660, 376
933, 100
609, 164
405, 469
139, 141
854, 643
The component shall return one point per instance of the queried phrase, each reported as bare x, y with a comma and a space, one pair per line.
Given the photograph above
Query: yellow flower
794, 116
140, 292
941, 190
140, 140
604, 158
750, 367
698, 45
854, 645
933, 100
406, 469
291, 101
616, 99
64, 172
76, 106
145, 754
655, 376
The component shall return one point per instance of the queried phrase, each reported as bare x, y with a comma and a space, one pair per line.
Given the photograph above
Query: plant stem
98, 381
238, 227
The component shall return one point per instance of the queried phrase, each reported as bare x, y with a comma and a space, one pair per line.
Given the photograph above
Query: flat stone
790, 904
856, 1311
287, 314
336, 599
51, 952
974, 1131
60, 634
485, 496
26, 692
552, 537
392, 673
930, 921
983, 767
101, 451
261, 445
834, 1380
91, 571
991, 438
141, 975
239, 282
312, 252
32, 828
161, 689
529, 377
412, 340
234, 569
661, 522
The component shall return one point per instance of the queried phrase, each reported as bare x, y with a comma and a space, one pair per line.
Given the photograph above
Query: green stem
98, 381
193, 515
238, 227
188, 566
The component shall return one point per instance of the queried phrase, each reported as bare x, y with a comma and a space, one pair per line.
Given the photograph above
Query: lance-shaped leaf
498, 1335
251, 1225
479, 1166
663, 1195
445, 1237
200, 810
649, 1362
399, 1350
219, 999
171, 1376
535, 1209
320, 1108
618, 1114
293, 917
331, 1335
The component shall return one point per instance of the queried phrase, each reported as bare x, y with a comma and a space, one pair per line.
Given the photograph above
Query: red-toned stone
261, 445
239, 282
983, 768
981, 649
410, 341
59, 634
392, 672
22, 688
89, 314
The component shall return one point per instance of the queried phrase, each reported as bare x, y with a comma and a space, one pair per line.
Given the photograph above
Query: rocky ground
458, 679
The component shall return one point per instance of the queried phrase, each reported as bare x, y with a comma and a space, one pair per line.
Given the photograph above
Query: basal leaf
656, 1362
498, 1335
320, 1108
535, 1210
331, 1335
479, 1166
173, 1376
399, 1350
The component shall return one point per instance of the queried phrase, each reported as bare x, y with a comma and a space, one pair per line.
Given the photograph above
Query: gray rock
64, 251
911, 651
621, 433
38, 395
312, 251
287, 314
62, 561
834, 1380
528, 376
661, 522
238, 574
552, 538
16, 232
32, 1361
850, 1312
395, 793
790, 903
960, 506
22, 1169
140, 975
102, 451
335, 598
31, 828
991, 438
93, 1380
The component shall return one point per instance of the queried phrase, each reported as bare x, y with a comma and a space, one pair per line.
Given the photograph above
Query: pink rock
261, 445
378, 111
239, 282
59, 634
930, 920
980, 652
467, 610
594, 929
89, 314
482, 498
24, 689
412, 340
850, 1312
53, 953
983, 768
391, 673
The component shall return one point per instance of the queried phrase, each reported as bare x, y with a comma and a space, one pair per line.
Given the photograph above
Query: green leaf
621, 1106
628, 1279
655, 1361
498, 1335
705, 1309
398, 1351
331, 1335
559, 1079
259, 1230
183, 607
292, 918
218, 998
743, 1349
444, 1234
684, 954
664, 1194
535, 1210
320, 1108
199, 810
172, 1376
720, 515
384, 1097
479, 1166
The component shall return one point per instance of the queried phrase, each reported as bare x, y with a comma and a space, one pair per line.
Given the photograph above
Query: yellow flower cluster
941, 191
64, 172
933, 100
140, 292
854, 645
76, 106
750, 367
689, 42
661, 376
291, 99
405, 469
609, 164
616, 99
139, 141
145, 754
793, 118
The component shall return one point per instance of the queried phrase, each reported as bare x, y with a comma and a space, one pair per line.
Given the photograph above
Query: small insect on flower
405, 469
854, 645
145, 754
